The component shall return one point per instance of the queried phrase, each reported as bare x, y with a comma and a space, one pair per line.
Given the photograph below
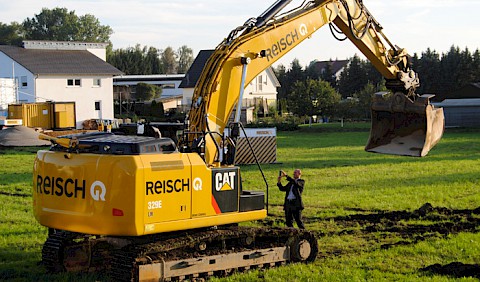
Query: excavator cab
402, 126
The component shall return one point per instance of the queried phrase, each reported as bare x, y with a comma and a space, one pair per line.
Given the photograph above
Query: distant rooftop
466, 102
59, 61
195, 71
193, 74
150, 77
335, 66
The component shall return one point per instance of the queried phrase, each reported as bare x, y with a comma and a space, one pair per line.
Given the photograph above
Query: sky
202, 24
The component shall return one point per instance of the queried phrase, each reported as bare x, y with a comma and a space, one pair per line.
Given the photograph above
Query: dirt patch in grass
386, 229
454, 269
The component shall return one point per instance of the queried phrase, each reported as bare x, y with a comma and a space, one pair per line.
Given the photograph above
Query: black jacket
297, 191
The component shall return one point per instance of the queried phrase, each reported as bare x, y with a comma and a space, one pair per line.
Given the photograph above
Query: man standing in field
293, 205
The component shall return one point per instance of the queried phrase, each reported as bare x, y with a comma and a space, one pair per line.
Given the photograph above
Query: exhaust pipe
401, 126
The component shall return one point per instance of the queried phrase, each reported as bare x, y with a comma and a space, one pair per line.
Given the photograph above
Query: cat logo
225, 180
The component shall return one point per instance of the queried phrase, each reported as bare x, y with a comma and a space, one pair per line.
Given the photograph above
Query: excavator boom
266, 39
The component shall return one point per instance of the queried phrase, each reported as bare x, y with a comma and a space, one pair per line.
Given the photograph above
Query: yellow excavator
147, 208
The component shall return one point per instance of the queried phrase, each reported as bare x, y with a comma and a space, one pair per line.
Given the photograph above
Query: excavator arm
256, 45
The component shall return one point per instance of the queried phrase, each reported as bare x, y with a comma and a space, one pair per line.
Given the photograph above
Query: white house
7, 95
261, 91
62, 72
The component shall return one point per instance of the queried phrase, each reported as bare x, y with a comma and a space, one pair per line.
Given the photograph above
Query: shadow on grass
21, 150
13, 194
454, 269
355, 158
16, 178
17, 265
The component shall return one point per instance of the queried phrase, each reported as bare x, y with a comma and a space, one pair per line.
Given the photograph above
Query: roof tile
73, 62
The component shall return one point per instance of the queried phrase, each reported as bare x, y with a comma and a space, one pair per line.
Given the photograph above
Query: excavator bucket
401, 126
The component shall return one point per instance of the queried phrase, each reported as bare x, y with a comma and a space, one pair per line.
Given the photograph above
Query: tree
90, 30
281, 74
61, 25
156, 109
450, 68
152, 59
295, 73
467, 69
347, 108
300, 99
311, 70
429, 72
146, 92
312, 97
185, 58
138, 60
288, 79
353, 77
11, 34
476, 64
169, 60
329, 76
326, 98
364, 98
373, 76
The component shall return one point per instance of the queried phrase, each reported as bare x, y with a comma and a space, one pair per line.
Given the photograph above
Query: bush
287, 123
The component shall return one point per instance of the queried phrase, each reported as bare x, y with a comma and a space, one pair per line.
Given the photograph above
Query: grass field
368, 210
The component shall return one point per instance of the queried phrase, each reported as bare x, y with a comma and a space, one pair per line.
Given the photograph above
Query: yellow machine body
135, 194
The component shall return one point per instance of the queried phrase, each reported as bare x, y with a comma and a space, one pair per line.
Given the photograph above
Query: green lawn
364, 208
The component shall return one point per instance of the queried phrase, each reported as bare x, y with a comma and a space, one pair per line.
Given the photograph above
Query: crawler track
179, 255
213, 253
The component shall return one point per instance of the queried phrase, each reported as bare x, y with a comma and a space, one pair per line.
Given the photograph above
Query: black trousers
292, 212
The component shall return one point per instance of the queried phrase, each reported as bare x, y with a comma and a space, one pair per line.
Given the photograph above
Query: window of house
97, 106
73, 82
97, 82
24, 83
259, 83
